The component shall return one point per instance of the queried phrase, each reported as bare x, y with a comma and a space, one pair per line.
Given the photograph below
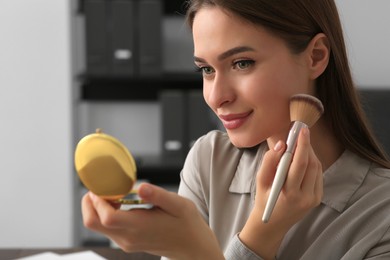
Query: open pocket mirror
106, 167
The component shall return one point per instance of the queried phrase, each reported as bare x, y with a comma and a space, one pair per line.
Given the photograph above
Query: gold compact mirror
106, 167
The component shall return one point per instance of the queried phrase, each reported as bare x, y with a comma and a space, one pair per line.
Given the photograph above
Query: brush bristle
306, 109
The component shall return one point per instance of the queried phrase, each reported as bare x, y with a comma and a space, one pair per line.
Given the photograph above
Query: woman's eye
206, 70
243, 64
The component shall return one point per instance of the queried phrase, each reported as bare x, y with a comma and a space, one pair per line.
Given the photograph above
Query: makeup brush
305, 110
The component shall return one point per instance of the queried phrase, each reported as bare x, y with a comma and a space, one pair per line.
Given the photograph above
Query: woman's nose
218, 92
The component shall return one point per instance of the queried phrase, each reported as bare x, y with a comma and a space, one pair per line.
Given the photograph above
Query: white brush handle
281, 172
280, 177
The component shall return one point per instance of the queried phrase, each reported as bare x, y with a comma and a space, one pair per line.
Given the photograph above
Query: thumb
169, 202
269, 164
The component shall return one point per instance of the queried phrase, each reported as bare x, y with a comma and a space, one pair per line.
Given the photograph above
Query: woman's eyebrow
234, 51
228, 53
197, 59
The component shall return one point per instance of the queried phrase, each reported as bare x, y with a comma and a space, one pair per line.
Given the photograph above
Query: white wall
367, 29
35, 118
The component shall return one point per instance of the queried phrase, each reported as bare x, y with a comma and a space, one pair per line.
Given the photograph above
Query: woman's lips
234, 121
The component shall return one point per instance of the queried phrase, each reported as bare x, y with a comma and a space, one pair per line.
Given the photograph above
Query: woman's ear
318, 52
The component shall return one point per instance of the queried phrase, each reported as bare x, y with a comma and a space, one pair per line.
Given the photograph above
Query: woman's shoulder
375, 178
211, 149
211, 155
376, 185
381, 172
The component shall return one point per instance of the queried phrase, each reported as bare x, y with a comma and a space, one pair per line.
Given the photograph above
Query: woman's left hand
301, 192
172, 228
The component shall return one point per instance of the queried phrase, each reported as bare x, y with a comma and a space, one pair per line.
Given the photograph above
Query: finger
109, 217
93, 222
309, 180
300, 160
90, 217
169, 202
112, 219
269, 164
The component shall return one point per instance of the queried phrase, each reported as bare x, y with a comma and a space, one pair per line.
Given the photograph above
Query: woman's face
249, 76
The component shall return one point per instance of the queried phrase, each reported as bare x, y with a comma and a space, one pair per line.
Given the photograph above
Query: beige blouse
352, 221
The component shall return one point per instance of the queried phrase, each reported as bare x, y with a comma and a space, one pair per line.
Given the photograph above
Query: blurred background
68, 67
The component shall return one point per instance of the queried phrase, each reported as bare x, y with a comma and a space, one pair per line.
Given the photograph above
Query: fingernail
278, 146
305, 131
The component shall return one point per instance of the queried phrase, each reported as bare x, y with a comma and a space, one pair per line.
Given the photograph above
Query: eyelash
247, 62
198, 69
202, 69
235, 65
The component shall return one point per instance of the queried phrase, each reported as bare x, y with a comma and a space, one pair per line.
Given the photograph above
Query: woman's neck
325, 144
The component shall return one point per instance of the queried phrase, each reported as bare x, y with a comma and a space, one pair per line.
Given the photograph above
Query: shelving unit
118, 89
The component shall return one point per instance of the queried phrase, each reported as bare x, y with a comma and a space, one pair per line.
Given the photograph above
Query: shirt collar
244, 180
343, 178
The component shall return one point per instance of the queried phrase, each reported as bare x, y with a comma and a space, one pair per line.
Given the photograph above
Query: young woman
335, 203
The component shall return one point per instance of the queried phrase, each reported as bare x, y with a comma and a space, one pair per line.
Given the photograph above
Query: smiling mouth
234, 121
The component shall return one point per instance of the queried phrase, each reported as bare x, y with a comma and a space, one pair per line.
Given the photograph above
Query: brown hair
297, 22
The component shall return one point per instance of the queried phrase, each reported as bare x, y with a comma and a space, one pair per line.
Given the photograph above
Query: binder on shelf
150, 37
97, 60
201, 119
122, 35
123, 38
174, 137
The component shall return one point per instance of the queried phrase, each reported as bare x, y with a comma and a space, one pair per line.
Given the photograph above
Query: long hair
297, 22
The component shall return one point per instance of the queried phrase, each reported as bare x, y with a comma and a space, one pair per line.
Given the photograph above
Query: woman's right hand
172, 228
301, 192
